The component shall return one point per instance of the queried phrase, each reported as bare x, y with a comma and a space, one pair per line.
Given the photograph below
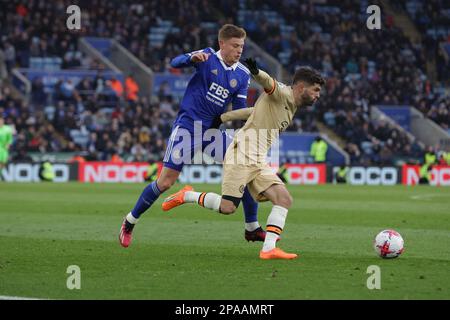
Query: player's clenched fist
252, 65
200, 57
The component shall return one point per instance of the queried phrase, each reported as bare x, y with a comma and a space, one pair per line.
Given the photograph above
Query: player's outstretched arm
239, 114
189, 59
266, 81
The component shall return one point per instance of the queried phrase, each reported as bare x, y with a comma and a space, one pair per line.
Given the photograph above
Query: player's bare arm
240, 114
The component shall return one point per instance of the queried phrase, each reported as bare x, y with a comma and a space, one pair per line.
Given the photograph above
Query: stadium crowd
362, 69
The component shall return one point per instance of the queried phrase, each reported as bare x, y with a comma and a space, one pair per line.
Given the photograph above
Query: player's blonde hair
229, 31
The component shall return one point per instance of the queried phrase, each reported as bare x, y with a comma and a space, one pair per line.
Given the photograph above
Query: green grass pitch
194, 253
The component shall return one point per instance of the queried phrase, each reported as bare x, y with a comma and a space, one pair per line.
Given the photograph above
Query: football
388, 244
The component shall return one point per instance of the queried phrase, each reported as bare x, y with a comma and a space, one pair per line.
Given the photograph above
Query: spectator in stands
116, 158
425, 173
77, 158
131, 89
39, 97
363, 69
10, 56
3, 69
116, 86
430, 157
341, 174
164, 90
355, 154
319, 150
22, 156
47, 172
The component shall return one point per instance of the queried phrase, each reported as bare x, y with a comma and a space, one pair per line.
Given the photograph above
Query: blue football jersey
213, 86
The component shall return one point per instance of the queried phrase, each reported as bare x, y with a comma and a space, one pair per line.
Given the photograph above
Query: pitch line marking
17, 298
425, 196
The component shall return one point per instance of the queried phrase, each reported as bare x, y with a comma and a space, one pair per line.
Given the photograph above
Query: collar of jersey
224, 65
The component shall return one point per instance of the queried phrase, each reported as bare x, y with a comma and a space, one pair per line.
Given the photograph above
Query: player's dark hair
308, 75
229, 31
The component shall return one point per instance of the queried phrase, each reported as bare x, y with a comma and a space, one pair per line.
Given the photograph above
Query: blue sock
250, 207
148, 196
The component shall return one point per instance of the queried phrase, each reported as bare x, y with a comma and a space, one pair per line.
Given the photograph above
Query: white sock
208, 200
252, 226
212, 201
275, 225
131, 219
191, 196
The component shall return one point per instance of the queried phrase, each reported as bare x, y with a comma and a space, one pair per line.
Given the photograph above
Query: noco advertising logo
440, 175
309, 174
373, 176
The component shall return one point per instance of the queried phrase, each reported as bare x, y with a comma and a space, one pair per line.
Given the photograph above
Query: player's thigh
263, 182
235, 178
181, 148
216, 144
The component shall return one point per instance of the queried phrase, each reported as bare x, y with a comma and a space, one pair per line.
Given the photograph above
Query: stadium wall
297, 174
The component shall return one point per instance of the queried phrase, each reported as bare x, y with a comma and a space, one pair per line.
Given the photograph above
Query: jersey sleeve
239, 100
184, 60
266, 81
272, 87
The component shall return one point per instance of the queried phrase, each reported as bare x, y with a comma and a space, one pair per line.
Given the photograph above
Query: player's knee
229, 204
227, 208
285, 200
165, 184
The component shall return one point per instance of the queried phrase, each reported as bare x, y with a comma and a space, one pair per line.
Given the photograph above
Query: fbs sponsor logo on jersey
218, 92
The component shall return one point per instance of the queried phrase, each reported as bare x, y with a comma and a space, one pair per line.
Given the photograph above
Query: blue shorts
187, 147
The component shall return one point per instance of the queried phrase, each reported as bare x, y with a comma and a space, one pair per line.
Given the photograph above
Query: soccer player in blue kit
219, 79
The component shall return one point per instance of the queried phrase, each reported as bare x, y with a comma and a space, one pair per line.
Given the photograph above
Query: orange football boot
175, 199
276, 253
